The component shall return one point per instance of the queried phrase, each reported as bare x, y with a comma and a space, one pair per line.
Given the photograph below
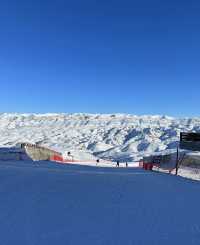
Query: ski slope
45, 203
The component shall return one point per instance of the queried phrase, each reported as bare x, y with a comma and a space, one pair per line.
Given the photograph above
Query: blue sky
139, 57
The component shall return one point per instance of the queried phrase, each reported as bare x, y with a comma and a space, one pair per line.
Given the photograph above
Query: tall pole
177, 159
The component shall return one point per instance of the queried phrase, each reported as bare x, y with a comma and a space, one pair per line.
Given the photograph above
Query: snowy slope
116, 136
48, 204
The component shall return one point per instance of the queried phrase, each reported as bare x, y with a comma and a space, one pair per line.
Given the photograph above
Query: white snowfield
44, 203
121, 137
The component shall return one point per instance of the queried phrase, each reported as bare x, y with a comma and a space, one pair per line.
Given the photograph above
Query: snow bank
13, 154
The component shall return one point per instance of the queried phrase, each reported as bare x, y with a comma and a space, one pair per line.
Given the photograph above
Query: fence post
177, 159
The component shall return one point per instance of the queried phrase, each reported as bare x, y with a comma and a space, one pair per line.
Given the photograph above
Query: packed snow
45, 203
121, 137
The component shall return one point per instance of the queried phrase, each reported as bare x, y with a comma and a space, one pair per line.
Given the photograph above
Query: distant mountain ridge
109, 136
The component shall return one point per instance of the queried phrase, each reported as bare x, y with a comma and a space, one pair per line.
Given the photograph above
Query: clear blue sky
139, 57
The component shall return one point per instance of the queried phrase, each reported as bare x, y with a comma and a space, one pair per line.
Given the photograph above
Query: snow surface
121, 137
44, 203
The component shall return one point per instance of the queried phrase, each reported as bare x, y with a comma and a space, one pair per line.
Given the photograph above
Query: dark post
177, 159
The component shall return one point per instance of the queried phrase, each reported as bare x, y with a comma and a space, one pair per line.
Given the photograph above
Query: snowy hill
116, 136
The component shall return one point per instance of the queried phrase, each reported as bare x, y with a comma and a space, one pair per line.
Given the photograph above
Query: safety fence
40, 153
164, 163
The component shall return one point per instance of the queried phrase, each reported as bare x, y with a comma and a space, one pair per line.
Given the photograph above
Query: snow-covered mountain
116, 136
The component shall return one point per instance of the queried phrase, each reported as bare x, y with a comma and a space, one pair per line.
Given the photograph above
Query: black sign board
190, 141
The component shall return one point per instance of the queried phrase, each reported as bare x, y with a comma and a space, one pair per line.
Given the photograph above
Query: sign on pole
190, 141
